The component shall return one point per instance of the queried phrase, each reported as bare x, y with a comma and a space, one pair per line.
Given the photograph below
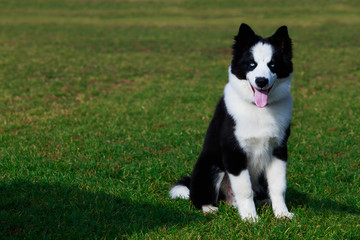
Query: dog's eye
271, 64
252, 65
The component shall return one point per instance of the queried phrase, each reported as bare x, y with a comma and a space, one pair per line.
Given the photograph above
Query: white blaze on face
262, 53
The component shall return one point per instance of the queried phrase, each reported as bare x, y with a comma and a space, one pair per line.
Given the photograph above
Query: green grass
104, 105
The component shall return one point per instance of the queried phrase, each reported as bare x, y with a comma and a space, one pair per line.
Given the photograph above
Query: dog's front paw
247, 211
285, 214
250, 218
248, 215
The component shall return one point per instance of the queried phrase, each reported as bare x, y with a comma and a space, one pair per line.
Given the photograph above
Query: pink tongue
261, 97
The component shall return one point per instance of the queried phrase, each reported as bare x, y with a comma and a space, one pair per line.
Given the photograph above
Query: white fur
262, 54
280, 90
209, 209
180, 191
276, 177
258, 130
244, 196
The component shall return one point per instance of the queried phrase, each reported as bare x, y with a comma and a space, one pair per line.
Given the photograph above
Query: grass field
105, 104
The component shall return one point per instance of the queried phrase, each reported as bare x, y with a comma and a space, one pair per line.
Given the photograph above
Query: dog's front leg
243, 194
276, 177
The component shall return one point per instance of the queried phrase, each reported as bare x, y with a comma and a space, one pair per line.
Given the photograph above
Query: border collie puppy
245, 150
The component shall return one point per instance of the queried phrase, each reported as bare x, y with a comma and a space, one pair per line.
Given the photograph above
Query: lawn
105, 104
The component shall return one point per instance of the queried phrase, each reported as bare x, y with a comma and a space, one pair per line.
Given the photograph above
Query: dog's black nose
261, 82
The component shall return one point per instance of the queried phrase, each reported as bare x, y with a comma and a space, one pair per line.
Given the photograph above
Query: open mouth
261, 96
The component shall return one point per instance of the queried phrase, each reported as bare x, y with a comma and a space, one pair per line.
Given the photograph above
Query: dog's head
262, 62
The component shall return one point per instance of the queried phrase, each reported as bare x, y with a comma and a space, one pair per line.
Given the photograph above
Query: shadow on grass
55, 211
297, 198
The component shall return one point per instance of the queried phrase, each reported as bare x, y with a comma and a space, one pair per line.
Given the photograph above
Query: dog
244, 155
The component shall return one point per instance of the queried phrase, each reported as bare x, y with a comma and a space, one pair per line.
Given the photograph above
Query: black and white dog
245, 151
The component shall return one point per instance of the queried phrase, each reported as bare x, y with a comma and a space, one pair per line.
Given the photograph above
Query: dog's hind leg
205, 186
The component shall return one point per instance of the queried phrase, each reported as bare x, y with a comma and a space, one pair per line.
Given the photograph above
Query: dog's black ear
282, 39
281, 32
244, 31
245, 37
281, 35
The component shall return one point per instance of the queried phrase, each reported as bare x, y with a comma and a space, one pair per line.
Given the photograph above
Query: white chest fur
257, 130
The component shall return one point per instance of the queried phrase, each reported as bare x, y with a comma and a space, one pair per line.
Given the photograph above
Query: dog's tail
181, 189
